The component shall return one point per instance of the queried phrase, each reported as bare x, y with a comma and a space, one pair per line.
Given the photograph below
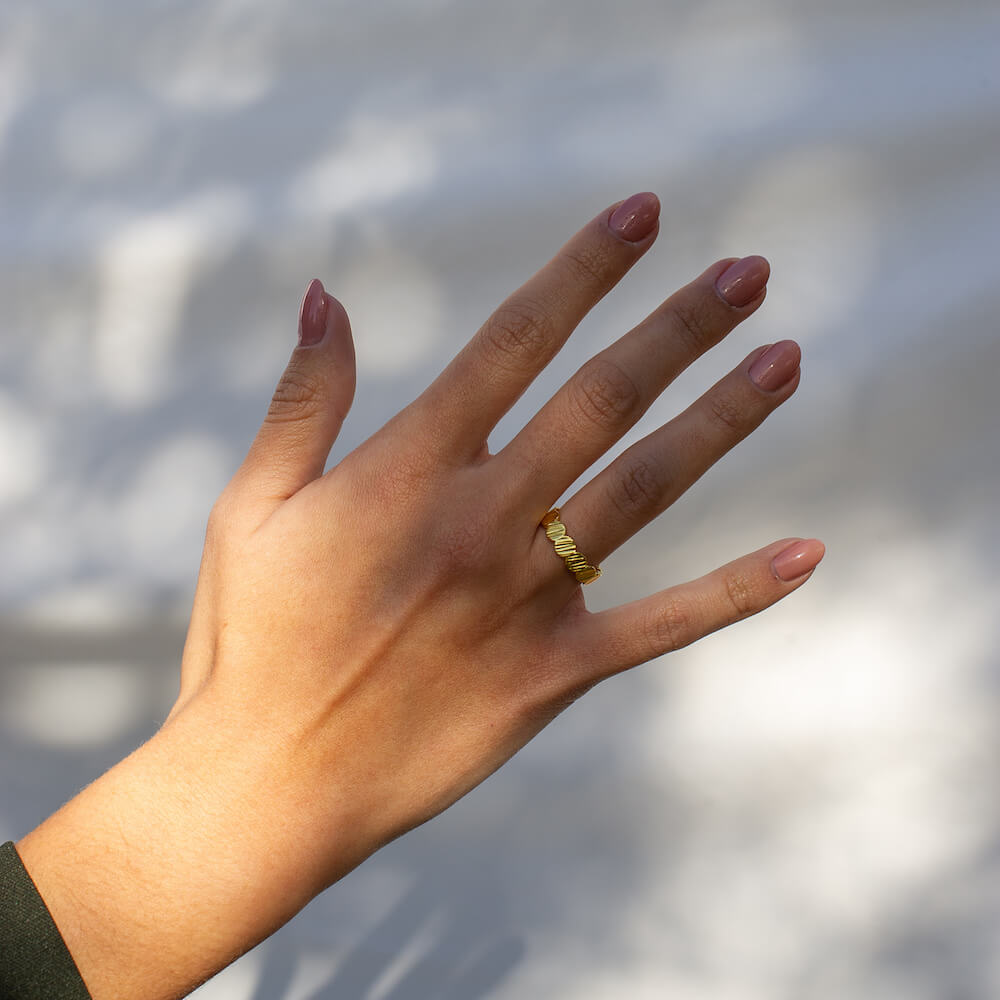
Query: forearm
182, 857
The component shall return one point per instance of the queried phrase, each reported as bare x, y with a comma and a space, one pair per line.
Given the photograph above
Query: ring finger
649, 476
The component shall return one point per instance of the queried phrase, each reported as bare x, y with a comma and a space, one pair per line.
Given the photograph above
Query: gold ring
576, 562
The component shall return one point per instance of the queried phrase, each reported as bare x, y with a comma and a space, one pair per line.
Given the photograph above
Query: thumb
309, 404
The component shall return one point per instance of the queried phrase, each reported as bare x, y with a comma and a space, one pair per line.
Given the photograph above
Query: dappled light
146, 271
804, 805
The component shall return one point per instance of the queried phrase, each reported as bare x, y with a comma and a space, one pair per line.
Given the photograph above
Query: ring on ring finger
576, 562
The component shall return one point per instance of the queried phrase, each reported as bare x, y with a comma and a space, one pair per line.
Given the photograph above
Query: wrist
186, 854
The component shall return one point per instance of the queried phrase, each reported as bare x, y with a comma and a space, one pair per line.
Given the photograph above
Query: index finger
522, 336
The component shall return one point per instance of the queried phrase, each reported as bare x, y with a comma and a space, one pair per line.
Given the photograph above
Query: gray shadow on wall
464, 958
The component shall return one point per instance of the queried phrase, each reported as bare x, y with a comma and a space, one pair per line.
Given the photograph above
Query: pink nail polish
635, 218
776, 366
312, 315
743, 280
798, 559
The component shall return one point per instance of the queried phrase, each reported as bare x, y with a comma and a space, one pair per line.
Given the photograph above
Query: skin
370, 643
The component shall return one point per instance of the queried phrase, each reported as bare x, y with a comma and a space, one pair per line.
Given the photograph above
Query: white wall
803, 806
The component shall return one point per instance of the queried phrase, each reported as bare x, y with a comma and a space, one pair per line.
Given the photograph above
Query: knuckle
464, 547
638, 491
727, 412
591, 265
741, 596
517, 334
696, 326
670, 627
395, 481
298, 396
552, 679
604, 394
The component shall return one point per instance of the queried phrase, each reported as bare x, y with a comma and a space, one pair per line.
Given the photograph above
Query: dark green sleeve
35, 964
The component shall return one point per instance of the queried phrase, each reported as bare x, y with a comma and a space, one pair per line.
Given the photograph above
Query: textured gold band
575, 561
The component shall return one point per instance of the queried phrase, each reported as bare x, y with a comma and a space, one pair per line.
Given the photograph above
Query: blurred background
803, 806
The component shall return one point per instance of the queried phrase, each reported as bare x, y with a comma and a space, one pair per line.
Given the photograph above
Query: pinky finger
626, 636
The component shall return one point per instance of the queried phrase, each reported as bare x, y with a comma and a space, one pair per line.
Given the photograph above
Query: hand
403, 614
370, 643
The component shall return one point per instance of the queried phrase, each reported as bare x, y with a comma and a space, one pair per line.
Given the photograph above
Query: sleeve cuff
35, 963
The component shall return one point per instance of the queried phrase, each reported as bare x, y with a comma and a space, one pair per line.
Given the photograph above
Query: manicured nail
312, 315
798, 559
635, 218
776, 366
744, 280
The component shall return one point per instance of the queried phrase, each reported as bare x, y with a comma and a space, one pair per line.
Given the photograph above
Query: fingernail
635, 218
312, 315
776, 366
744, 280
798, 559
